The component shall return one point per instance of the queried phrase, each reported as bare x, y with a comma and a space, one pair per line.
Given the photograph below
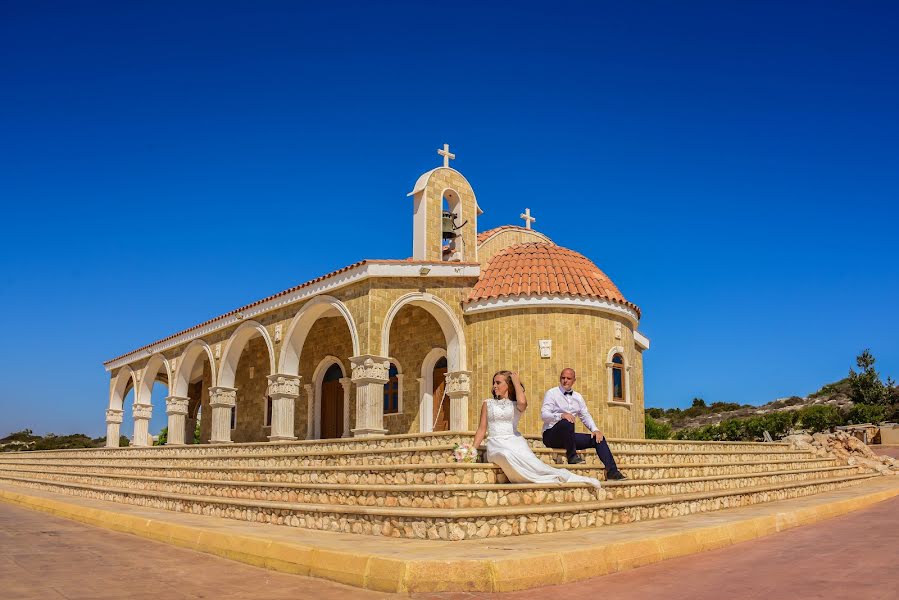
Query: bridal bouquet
465, 452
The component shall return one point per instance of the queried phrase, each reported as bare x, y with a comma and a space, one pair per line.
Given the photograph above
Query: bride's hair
507, 375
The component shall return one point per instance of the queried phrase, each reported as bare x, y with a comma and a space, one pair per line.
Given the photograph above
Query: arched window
618, 379
392, 392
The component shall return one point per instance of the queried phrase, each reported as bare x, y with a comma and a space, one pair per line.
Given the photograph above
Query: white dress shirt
556, 402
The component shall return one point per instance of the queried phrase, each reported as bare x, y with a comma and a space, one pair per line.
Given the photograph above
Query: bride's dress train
508, 449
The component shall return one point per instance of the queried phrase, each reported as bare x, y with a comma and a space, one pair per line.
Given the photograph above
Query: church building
399, 346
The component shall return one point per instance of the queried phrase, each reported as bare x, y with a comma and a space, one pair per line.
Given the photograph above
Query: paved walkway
42, 556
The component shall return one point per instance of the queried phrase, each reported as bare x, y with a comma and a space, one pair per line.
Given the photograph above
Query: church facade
399, 346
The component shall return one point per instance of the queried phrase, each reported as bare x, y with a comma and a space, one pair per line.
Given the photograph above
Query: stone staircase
404, 486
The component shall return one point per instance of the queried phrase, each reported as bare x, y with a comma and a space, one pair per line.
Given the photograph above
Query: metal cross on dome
447, 156
528, 219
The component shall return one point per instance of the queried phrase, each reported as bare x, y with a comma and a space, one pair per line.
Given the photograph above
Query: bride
505, 445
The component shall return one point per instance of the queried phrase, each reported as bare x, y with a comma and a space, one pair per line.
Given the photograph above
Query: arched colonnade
368, 375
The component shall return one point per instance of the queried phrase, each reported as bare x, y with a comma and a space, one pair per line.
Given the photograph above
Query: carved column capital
345, 382
114, 415
222, 397
368, 368
142, 411
280, 385
176, 405
458, 383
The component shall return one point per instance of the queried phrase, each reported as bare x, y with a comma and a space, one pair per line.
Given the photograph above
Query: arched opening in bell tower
452, 223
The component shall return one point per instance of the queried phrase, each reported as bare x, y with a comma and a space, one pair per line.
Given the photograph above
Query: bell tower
445, 221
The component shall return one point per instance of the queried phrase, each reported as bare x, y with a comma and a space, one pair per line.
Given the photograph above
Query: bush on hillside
656, 430
866, 413
819, 417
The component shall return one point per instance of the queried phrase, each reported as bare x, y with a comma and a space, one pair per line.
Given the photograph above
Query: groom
560, 406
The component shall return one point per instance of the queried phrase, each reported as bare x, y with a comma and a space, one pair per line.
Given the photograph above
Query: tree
698, 402
866, 386
162, 438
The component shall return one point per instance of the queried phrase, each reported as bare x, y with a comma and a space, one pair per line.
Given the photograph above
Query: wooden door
441, 401
332, 409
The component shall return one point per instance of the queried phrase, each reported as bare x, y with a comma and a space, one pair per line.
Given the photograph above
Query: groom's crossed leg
562, 436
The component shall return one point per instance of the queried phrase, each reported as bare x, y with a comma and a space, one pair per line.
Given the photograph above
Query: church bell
449, 226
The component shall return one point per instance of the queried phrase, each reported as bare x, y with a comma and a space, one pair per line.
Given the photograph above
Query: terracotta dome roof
537, 269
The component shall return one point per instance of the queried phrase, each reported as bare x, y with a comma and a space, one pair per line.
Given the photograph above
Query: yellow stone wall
413, 333
330, 336
505, 238
252, 386
581, 339
438, 182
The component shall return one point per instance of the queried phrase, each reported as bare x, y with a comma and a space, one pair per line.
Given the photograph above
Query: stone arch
452, 330
426, 408
320, 306
186, 365
235, 346
118, 387
148, 378
318, 377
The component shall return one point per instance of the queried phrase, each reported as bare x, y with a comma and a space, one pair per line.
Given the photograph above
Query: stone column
284, 391
142, 414
221, 400
113, 426
176, 409
347, 383
458, 388
370, 373
310, 410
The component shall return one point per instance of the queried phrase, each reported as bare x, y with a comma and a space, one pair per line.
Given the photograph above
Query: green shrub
866, 413
819, 417
656, 430
706, 432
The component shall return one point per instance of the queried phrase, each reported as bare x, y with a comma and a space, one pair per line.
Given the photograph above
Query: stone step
433, 495
428, 455
440, 473
452, 523
424, 440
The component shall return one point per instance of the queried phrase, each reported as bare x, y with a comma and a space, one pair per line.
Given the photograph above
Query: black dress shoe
576, 460
616, 476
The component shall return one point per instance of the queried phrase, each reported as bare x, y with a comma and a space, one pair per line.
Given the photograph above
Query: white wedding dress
508, 449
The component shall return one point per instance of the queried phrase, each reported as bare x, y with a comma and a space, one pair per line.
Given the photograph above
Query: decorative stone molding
114, 415
222, 397
221, 400
458, 388
142, 411
368, 368
458, 382
176, 405
284, 391
280, 385
370, 373
114, 418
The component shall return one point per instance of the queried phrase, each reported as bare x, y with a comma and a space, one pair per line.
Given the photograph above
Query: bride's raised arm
521, 398
482, 426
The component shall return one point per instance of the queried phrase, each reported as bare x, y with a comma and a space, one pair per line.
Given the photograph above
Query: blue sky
734, 169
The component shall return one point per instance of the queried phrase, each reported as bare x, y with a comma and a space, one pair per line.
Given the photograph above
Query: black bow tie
568, 393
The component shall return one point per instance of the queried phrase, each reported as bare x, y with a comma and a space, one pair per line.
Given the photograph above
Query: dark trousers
562, 436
